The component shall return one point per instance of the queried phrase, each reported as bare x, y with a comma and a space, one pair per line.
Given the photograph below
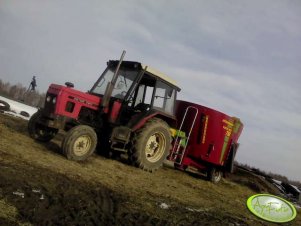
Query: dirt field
39, 186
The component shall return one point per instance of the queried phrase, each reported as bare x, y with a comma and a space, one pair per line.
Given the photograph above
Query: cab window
164, 97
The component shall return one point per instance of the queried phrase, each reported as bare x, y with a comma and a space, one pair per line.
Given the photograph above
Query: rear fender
139, 120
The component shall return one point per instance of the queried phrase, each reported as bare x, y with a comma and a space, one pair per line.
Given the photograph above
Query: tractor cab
131, 97
137, 89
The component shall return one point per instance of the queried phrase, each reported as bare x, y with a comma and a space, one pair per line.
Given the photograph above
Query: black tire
103, 147
79, 143
4, 106
214, 175
151, 145
38, 131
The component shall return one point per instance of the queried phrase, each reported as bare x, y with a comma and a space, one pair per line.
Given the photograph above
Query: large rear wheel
151, 145
79, 143
39, 131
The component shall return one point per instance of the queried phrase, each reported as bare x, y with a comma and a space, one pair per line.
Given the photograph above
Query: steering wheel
142, 107
120, 95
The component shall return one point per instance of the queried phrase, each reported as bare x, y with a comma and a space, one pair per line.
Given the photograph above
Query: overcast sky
240, 57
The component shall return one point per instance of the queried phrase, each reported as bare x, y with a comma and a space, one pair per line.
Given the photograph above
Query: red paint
140, 123
115, 111
206, 147
65, 94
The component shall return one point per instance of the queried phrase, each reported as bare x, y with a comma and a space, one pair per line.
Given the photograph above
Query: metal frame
177, 137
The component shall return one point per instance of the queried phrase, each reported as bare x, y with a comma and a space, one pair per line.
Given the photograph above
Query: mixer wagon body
205, 139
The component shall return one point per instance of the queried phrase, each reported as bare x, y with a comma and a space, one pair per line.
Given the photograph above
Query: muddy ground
39, 186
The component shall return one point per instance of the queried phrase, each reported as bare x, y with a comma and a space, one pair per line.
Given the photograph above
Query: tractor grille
50, 103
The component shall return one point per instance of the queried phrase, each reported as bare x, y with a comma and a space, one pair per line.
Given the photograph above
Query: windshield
123, 83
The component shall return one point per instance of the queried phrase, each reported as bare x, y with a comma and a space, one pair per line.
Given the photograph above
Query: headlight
48, 99
54, 100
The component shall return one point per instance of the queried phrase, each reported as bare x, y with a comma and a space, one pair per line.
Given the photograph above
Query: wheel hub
217, 175
155, 147
82, 145
151, 145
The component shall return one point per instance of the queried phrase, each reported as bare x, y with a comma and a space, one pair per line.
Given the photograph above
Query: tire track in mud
43, 197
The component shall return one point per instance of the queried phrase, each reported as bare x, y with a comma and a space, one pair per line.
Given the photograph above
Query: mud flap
230, 161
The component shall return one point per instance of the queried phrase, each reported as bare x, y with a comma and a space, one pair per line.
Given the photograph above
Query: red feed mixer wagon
206, 140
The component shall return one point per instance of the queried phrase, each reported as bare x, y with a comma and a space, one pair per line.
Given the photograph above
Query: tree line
20, 93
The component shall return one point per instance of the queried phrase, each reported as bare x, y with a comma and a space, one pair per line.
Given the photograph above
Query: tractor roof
160, 75
148, 69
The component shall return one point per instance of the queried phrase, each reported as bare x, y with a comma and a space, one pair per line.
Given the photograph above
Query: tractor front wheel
79, 143
151, 145
38, 131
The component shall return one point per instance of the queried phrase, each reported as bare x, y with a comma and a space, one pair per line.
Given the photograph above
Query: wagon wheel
214, 175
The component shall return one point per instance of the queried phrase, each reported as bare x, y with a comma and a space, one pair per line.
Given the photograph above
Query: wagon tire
150, 145
214, 175
39, 131
79, 143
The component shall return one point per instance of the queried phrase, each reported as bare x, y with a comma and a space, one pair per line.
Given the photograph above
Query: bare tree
19, 93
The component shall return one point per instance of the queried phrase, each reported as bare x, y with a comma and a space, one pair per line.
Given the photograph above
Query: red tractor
129, 109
